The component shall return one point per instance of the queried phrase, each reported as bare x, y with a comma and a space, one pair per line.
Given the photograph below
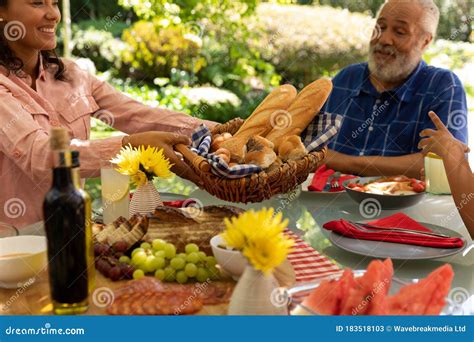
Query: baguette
304, 108
260, 122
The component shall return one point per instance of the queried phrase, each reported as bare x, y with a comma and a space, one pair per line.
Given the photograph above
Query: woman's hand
440, 141
165, 141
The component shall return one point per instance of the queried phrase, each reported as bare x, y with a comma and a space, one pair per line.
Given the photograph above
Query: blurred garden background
216, 59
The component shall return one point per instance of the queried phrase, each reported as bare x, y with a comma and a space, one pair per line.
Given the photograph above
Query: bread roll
263, 158
291, 148
304, 108
258, 143
237, 148
217, 140
260, 121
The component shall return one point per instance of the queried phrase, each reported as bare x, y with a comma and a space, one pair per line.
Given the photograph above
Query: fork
335, 178
366, 228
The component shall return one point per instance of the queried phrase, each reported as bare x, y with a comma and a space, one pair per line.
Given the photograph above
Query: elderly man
385, 102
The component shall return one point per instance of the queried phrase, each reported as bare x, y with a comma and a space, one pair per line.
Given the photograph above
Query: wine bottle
64, 211
76, 179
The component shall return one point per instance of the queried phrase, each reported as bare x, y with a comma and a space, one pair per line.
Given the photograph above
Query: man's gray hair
430, 20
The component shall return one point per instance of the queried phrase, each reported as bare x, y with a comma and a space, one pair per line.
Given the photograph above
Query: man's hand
440, 141
165, 141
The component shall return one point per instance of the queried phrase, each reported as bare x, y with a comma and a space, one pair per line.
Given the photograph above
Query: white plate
398, 251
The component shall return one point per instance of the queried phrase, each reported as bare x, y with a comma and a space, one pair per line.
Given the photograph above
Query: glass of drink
435, 175
115, 193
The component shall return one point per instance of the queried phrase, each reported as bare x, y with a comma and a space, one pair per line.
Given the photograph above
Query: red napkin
174, 204
399, 220
320, 178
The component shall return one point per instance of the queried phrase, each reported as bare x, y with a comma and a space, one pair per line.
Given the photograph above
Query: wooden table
35, 299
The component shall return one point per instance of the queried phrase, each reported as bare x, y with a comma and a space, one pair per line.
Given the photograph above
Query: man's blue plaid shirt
389, 123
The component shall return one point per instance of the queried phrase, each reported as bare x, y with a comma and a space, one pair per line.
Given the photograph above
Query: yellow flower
139, 178
162, 166
259, 235
267, 253
127, 161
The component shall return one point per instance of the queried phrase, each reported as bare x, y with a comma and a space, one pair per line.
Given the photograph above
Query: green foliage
155, 49
92, 10
303, 49
99, 46
225, 59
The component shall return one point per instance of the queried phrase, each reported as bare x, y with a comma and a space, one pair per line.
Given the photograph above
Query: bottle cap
59, 139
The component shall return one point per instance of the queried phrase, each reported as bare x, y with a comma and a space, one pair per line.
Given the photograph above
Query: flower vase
257, 294
145, 199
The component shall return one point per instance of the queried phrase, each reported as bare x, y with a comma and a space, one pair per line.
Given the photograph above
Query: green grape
137, 274
170, 250
181, 277
158, 244
211, 261
136, 250
160, 262
160, 274
145, 245
191, 247
182, 255
214, 273
139, 258
151, 264
191, 270
202, 275
125, 259
202, 256
160, 254
170, 274
192, 258
177, 263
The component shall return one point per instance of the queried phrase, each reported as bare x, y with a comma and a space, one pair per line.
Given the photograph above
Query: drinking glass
115, 193
435, 175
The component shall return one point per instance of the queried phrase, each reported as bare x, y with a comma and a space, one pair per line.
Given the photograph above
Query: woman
38, 91
460, 176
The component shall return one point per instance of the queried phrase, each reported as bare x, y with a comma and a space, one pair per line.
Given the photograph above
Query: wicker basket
256, 187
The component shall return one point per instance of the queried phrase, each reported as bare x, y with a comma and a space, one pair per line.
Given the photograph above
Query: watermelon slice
427, 297
325, 298
367, 297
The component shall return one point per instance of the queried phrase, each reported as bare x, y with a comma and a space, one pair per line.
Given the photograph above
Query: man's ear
427, 39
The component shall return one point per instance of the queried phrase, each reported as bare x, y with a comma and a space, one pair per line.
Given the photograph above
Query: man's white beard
396, 70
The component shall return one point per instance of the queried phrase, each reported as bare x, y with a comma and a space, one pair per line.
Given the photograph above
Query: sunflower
127, 161
259, 235
139, 178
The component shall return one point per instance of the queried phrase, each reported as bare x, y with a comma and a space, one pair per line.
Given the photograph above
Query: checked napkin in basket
317, 135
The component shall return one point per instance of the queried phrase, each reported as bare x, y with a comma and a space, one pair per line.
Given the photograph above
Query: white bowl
233, 262
21, 259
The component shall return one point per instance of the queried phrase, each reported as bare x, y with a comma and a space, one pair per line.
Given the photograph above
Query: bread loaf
291, 148
260, 121
304, 108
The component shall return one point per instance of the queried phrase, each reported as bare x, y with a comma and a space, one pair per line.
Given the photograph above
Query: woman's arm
460, 176
130, 116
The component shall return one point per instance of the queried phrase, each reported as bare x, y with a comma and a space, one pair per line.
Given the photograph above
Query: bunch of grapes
109, 261
161, 259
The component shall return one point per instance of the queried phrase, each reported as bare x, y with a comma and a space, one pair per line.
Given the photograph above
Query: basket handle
198, 162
